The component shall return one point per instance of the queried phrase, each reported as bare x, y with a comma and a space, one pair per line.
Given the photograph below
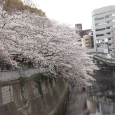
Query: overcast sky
72, 11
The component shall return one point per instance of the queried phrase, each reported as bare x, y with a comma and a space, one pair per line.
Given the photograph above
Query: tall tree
10, 5
47, 42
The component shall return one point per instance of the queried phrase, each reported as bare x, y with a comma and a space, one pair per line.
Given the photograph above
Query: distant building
103, 26
86, 42
91, 39
81, 34
78, 26
80, 31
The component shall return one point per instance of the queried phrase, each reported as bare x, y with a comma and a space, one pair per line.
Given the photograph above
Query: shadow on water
99, 99
77, 102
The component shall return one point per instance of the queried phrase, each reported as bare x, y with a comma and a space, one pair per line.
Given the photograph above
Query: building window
96, 19
108, 33
102, 23
99, 35
109, 38
107, 27
107, 16
100, 29
101, 41
96, 24
102, 18
108, 22
86, 39
102, 34
110, 50
109, 44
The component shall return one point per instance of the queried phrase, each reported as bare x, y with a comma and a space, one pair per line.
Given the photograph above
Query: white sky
72, 11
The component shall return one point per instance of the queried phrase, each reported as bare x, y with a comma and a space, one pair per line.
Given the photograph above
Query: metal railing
105, 59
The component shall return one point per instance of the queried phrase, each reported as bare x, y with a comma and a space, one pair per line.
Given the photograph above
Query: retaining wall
27, 100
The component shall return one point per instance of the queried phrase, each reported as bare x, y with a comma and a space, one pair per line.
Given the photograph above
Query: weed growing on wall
39, 80
22, 83
55, 79
46, 80
51, 81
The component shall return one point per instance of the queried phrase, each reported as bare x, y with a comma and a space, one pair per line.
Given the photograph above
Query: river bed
99, 99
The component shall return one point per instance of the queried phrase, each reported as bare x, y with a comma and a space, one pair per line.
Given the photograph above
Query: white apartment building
103, 26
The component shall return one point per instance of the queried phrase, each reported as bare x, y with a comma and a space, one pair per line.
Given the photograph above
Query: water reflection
77, 101
99, 99
100, 108
92, 103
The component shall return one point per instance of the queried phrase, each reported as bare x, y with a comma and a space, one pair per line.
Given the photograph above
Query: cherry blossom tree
46, 42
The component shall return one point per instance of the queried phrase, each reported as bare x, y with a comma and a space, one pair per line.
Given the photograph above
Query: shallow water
97, 100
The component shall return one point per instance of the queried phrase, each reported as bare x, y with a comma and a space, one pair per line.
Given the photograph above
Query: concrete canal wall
32, 96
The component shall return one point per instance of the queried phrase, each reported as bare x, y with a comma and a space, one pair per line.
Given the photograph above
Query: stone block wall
27, 100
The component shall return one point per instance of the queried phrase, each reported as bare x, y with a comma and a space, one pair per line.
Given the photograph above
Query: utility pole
97, 45
107, 43
108, 48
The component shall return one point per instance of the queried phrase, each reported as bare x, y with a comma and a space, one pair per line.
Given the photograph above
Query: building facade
87, 41
103, 26
91, 39
80, 31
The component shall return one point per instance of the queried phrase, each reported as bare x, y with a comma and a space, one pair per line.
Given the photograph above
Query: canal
99, 99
